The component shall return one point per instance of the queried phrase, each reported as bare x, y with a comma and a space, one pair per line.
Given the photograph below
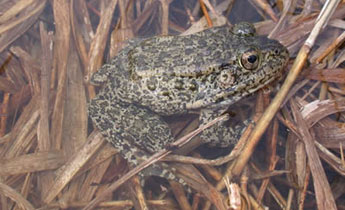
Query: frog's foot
163, 170
136, 132
221, 134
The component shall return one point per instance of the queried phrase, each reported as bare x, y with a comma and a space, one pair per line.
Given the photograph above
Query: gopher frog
166, 75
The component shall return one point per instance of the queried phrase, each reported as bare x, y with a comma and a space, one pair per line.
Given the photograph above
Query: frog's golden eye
250, 59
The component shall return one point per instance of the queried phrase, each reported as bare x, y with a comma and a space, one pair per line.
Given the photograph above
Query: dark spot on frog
220, 99
202, 43
183, 96
166, 93
193, 85
189, 51
151, 84
135, 76
178, 85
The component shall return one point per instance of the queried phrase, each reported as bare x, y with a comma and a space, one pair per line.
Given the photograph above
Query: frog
202, 73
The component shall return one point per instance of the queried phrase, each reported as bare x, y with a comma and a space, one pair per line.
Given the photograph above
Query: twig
204, 10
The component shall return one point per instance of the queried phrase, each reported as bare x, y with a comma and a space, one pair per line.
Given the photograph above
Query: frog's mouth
225, 97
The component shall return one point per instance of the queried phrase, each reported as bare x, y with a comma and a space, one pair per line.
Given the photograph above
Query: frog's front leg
220, 134
135, 131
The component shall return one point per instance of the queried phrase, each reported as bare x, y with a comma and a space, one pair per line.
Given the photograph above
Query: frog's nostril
276, 51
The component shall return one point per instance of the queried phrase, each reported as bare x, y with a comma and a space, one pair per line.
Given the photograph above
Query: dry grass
50, 158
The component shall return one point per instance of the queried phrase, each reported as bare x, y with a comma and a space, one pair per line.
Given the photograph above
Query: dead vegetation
51, 159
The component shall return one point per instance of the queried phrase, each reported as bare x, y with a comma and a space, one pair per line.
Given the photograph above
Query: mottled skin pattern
160, 76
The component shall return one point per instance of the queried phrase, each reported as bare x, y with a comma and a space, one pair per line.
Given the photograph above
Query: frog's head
259, 61
253, 62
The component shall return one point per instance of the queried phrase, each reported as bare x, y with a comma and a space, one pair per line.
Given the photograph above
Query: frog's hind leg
135, 131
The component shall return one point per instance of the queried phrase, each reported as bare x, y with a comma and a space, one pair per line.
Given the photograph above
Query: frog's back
181, 55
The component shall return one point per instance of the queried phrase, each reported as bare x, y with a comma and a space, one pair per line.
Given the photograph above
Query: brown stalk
61, 52
11, 30
324, 197
38, 161
273, 159
165, 16
43, 134
23, 130
204, 10
82, 30
15, 196
267, 8
98, 44
71, 167
44, 143
3, 114
335, 44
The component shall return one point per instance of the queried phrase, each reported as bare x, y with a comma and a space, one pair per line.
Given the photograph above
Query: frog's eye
250, 59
